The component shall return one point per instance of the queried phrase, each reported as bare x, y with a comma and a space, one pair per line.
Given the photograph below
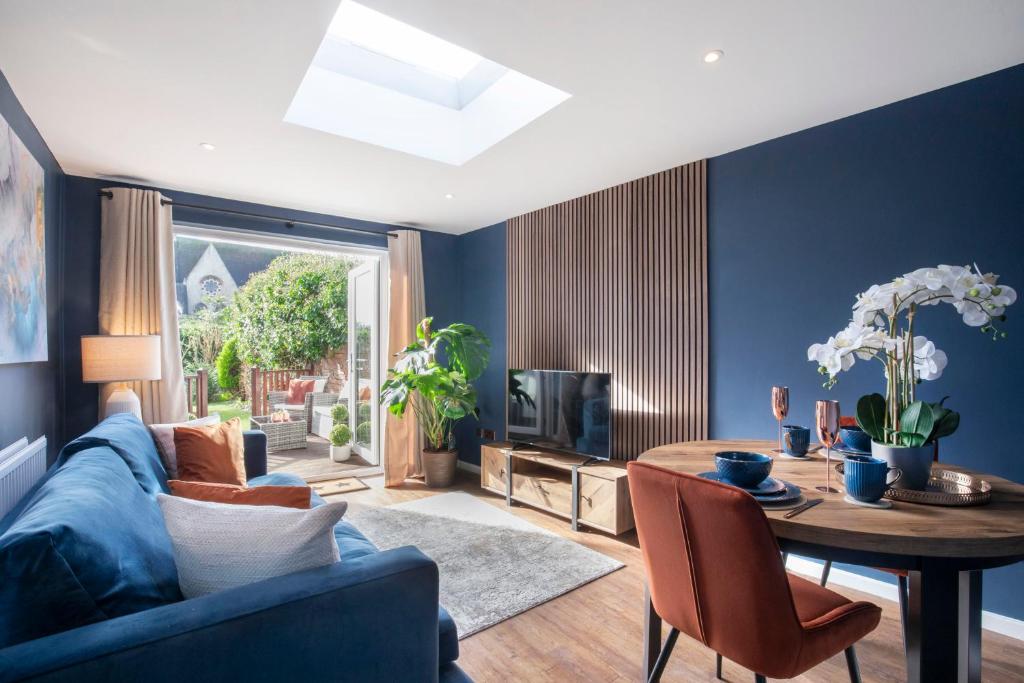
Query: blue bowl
742, 468
856, 438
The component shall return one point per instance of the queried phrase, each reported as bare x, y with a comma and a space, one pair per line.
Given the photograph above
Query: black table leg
944, 624
652, 635
969, 627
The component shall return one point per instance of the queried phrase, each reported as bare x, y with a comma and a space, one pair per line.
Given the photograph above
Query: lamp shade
126, 358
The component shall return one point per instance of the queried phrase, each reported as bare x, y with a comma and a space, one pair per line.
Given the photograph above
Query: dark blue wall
32, 390
800, 224
482, 268
82, 263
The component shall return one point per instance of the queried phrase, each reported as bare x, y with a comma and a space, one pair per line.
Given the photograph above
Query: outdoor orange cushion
298, 388
283, 496
215, 453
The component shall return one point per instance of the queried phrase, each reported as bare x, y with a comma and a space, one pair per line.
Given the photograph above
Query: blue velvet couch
89, 591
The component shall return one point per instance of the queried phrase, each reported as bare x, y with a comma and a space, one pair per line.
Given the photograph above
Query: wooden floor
314, 463
594, 633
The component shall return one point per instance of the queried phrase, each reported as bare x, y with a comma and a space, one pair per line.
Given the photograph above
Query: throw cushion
163, 435
284, 496
215, 453
89, 544
298, 388
217, 547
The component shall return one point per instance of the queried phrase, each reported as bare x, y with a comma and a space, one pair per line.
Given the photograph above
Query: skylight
380, 33
384, 82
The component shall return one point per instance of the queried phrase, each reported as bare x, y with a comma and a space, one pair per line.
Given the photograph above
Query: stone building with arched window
205, 270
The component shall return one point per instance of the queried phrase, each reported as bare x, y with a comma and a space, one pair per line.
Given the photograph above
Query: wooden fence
262, 381
197, 393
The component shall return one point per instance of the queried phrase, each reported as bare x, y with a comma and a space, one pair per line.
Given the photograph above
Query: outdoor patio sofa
90, 590
277, 400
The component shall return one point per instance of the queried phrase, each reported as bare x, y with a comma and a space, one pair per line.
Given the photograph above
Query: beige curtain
137, 292
403, 438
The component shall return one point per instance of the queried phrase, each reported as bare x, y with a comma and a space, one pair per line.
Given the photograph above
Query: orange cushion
282, 496
298, 388
215, 453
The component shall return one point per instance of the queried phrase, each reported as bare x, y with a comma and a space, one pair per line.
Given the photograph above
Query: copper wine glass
826, 416
780, 407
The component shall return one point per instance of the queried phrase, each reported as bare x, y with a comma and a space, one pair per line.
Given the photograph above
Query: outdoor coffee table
281, 436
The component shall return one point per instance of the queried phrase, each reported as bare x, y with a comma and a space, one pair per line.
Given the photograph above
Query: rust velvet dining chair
714, 572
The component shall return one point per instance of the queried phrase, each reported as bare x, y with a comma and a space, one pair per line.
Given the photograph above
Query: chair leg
718, 666
851, 664
904, 591
825, 571
666, 650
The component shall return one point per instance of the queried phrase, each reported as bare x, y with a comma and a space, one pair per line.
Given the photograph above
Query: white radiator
21, 466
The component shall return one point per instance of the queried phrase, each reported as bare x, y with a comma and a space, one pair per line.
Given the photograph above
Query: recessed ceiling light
208, 146
713, 56
449, 196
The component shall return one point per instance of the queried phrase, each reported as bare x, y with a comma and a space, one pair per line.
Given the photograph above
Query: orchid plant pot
439, 468
914, 461
341, 453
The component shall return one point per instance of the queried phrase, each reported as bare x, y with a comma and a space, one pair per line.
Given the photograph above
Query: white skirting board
997, 623
468, 466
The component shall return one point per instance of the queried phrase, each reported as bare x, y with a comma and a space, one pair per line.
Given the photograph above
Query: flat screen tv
563, 411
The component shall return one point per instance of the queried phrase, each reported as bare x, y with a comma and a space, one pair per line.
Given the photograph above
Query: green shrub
292, 313
341, 435
363, 411
339, 413
364, 432
229, 366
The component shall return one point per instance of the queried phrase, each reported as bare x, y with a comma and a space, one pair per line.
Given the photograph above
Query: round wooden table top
995, 530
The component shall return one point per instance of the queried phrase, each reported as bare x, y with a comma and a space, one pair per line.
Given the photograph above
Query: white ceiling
130, 88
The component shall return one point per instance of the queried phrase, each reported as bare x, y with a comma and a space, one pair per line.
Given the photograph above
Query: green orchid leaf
871, 416
917, 420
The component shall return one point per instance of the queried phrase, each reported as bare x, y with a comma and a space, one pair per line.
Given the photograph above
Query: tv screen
564, 411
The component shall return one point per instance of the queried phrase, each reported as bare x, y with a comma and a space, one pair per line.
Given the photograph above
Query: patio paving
314, 463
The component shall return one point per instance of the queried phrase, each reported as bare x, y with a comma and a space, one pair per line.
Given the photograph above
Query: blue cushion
89, 544
129, 438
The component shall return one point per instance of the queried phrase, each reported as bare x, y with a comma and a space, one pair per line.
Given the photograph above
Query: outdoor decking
314, 461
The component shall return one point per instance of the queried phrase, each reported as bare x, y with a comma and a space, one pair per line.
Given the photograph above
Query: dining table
943, 549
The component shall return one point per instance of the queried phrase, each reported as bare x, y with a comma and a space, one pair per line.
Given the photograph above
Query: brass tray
945, 487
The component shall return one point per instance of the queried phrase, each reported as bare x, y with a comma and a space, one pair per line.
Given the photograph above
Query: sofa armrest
373, 618
255, 453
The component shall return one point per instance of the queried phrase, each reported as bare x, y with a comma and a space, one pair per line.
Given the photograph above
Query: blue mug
867, 478
795, 440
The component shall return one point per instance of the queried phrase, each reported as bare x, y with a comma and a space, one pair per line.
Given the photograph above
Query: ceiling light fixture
713, 56
449, 196
208, 146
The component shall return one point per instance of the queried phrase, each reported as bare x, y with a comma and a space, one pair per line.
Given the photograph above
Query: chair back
713, 566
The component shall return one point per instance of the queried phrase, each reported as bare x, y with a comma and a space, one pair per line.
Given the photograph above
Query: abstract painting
22, 253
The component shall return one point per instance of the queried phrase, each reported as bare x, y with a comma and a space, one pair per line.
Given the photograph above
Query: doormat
332, 487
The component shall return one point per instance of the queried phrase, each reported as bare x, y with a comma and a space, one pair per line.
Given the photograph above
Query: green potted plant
904, 431
433, 376
341, 442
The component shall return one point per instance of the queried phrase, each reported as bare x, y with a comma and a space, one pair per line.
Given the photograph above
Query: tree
294, 312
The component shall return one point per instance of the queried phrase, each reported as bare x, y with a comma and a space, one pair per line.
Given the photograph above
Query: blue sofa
89, 591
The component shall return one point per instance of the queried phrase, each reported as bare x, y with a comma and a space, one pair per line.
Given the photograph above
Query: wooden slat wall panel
616, 281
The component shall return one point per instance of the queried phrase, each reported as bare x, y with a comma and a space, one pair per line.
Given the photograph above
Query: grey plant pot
914, 461
439, 468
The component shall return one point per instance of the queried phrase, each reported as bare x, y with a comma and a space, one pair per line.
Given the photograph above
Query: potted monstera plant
433, 376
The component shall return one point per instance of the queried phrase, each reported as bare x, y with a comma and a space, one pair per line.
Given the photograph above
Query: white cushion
289, 406
219, 546
163, 435
319, 386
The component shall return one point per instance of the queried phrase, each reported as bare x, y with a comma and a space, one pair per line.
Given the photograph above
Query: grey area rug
490, 569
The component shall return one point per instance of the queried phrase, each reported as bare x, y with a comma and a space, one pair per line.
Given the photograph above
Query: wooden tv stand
588, 492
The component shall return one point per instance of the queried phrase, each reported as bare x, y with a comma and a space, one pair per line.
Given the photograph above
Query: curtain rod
287, 223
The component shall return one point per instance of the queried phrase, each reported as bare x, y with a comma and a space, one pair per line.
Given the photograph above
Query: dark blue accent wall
800, 224
482, 269
82, 268
32, 390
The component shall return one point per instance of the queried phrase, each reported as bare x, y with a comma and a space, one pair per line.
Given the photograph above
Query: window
211, 285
